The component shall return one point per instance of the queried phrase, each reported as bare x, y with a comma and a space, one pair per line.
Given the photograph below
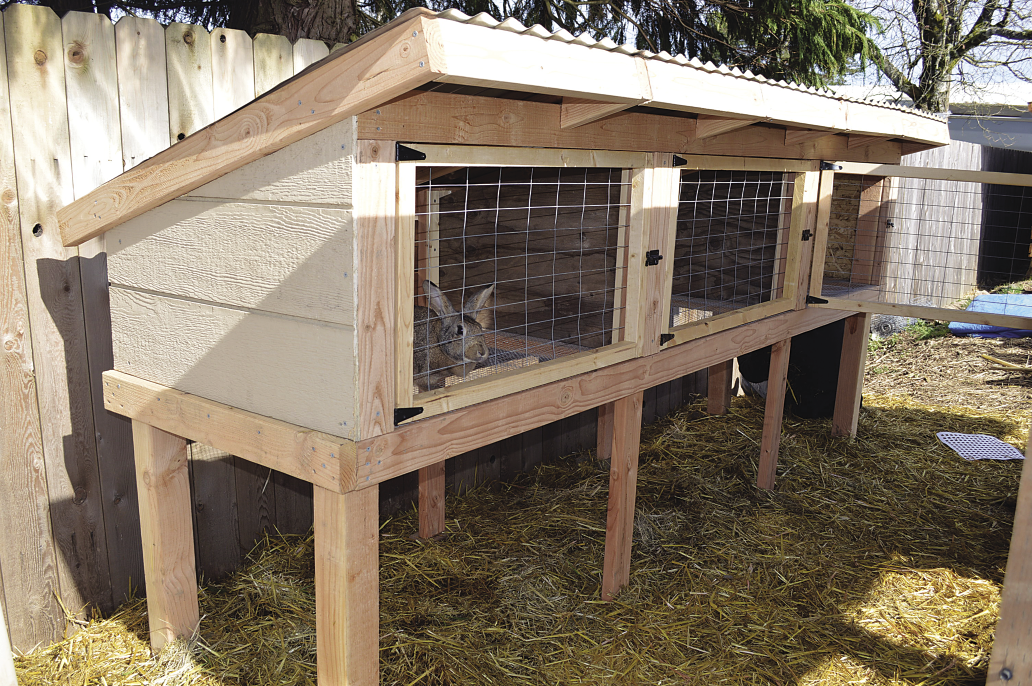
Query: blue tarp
1019, 305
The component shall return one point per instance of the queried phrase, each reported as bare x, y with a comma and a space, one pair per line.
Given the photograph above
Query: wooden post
1011, 661
718, 399
347, 591
163, 487
431, 500
773, 413
851, 375
605, 432
623, 476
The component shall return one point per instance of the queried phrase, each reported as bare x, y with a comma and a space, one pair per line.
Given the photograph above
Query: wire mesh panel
730, 250
922, 241
515, 266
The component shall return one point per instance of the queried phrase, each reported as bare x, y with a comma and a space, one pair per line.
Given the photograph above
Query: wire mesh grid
515, 266
924, 242
730, 248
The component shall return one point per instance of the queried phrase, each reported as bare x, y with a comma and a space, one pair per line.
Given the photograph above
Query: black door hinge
652, 258
679, 161
814, 300
665, 338
807, 234
828, 166
403, 413
403, 153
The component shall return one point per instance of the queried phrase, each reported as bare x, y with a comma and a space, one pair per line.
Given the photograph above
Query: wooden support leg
163, 487
1011, 659
605, 432
772, 415
623, 478
431, 500
719, 391
851, 375
347, 587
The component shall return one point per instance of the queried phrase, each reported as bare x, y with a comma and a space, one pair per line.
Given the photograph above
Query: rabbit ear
474, 307
437, 299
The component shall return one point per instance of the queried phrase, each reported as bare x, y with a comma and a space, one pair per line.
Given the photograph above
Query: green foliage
924, 329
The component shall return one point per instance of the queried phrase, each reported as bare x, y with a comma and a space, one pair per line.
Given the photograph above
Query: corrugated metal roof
512, 25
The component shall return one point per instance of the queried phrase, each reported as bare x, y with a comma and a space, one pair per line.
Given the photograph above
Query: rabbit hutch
456, 230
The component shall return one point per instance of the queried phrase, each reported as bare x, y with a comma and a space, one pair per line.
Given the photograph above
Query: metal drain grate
980, 446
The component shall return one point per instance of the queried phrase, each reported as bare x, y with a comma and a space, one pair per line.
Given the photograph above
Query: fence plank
142, 88
96, 149
308, 51
273, 61
27, 553
40, 123
232, 70
190, 101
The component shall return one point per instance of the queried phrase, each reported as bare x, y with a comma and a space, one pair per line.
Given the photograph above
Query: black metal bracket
679, 161
403, 413
665, 338
828, 166
807, 234
814, 300
403, 153
652, 258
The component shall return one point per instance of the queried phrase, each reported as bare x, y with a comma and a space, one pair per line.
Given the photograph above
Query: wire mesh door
924, 242
736, 245
518, 273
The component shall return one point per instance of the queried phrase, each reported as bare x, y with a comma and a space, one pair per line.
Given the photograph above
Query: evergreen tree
807, 41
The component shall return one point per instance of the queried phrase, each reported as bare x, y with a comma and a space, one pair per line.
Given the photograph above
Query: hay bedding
873, 562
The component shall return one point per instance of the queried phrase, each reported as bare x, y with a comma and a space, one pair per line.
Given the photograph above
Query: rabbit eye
458, 330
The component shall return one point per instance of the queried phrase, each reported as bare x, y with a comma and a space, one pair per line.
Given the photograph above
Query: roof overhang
595, 79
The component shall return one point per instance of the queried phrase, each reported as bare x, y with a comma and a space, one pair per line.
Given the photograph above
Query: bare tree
926, 48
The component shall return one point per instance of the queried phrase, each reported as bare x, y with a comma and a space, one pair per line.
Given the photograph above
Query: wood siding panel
294, 261
290, 369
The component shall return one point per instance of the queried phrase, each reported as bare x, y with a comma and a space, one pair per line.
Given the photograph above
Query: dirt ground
951, 370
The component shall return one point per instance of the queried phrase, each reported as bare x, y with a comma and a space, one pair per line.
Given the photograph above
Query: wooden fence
81, 100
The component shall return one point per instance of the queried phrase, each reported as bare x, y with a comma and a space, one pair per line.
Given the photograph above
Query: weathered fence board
96, 152
28, 556
142, 88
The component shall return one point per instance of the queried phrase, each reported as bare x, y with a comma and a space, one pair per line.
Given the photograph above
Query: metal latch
403, 413
652, 258
807, 234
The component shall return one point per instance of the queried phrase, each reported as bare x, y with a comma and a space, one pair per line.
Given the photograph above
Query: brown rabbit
445, 342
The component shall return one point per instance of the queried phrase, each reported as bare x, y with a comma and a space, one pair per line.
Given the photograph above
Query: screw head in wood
1006, 674
40, 57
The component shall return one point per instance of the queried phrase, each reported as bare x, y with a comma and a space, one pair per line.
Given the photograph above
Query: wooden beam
376, 209
1002, 178
578, 111
708, 126
861, 141
943, 314
820, 237
851, 375
347, 589
380, 66
166, 525
718, 396
623, 479
1011, 661
431, 499
324, 460
799, 136
773, 413
471, 120
419, 443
